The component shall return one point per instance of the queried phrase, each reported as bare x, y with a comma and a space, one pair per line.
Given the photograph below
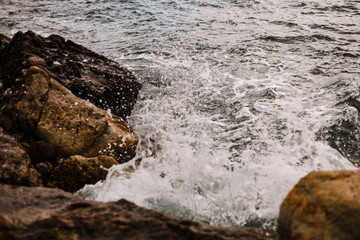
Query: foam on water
221, 149
234, 94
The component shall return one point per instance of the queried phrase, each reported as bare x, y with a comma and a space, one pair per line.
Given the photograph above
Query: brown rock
42, 151
73, 173
44, 168
40, 105
87, 74
4, 41
323, 205
15, 166
41, 213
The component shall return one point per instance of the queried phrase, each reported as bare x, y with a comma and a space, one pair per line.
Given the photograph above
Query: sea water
234, 92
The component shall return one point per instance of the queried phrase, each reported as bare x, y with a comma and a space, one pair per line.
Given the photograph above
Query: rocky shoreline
63, 111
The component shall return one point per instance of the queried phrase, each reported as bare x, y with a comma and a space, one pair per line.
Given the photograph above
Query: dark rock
322, 205
88, 75
73, 173
344, 134
15, 165
41, 213
4, 41
44, 168
42, 151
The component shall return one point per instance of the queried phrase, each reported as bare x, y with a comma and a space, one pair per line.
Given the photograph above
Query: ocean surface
234, 92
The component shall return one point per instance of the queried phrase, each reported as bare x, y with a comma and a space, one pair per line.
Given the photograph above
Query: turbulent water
233, 94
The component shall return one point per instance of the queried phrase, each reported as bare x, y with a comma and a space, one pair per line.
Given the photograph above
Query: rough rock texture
4, 41
344, 135
15, 166
41, 151
88, 75
323, 205
41, 213
82, 171
40, 106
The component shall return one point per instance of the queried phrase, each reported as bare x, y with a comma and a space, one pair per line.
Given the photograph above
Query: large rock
39, 105
82, 171
41, 213
87, 74
323, 205
15, 165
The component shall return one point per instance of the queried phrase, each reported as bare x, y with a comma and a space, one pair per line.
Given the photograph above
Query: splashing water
234, 94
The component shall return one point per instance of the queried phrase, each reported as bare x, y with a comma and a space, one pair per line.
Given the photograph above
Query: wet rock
44, 168
42, 151
344, 134
41, 213
76, 171
4, 41
88, 75
323, 205
40, 106
15, 165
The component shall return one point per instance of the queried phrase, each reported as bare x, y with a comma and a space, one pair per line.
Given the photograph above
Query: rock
76, 171
44, 168
40, 106
42, 213
42, 151
344, 134
4, 41
88, 75
322, 205
15, 165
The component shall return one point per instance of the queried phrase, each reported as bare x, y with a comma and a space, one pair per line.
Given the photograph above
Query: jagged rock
344, 134
76, 171
41, 213
323, 205
88, 75
15, 166
40, 106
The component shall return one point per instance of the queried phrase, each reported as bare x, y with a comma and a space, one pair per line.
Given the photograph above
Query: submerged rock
15, 165
323, 205
42, 213
88, 75
76, 171
344, 134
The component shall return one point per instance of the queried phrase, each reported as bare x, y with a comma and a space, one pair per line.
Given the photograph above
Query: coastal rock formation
42, 213
86, 74
52, 91
323, 205
39, 105
82, 171
344, 134
15, 165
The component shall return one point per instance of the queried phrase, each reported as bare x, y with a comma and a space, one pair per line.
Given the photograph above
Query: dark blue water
234, 93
